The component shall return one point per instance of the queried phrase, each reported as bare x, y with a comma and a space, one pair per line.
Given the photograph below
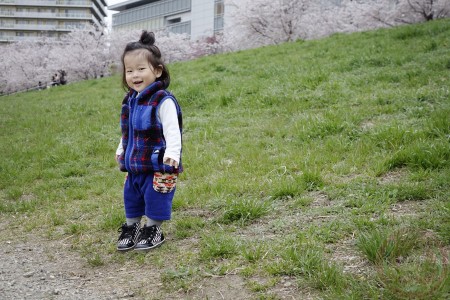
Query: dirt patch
351, 260
393, 176
35, 268
288, 288
41, 269
320, 199
220, 287
367, 125
406, 208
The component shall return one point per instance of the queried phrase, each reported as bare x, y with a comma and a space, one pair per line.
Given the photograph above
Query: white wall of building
202, 18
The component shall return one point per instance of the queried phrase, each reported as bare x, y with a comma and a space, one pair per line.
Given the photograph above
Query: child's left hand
170, 162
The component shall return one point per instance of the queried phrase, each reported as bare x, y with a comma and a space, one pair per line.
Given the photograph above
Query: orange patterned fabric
164, 182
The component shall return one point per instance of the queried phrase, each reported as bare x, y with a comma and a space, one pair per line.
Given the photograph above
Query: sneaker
150, 237
128, 236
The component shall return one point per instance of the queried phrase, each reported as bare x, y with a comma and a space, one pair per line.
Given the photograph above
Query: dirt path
29, 270
50, 270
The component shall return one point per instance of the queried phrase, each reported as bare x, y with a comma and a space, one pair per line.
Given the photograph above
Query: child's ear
158, 71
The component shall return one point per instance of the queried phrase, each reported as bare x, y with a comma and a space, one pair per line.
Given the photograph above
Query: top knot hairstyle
147, 38
153, 55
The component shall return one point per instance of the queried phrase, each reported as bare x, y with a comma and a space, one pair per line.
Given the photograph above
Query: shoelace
147, 232
126, 231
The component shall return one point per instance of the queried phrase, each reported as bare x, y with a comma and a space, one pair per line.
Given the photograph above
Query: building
33, 19
195, 17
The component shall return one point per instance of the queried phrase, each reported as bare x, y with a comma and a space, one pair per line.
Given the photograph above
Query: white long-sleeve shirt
167, 114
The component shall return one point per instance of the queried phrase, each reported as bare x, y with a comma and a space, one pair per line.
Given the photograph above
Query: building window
218, 15
218, 8
173, 21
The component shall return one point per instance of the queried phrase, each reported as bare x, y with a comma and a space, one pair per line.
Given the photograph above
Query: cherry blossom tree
379, 13
83, 54
117, 40
23, 66
208, 45
262, 22
427, 10
173, 46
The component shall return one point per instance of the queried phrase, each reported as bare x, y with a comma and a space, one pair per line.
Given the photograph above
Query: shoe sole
148, 248
125, 249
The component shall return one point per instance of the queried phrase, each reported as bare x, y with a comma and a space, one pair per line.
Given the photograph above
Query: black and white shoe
128, 236
149, 238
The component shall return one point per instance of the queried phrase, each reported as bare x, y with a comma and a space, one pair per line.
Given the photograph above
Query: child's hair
153, 55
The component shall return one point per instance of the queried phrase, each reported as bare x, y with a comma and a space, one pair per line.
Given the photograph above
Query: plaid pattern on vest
142, 133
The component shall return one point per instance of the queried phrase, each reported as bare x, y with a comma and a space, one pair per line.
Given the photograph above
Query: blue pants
140, 198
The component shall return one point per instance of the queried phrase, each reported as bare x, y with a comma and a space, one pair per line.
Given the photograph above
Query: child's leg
133, 198
158, 199
134, 209
158, 207
131, 221
151, 222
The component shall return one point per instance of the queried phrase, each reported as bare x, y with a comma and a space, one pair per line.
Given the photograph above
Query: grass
298, 158
381, 246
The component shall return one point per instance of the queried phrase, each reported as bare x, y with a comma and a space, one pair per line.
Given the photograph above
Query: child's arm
171, 130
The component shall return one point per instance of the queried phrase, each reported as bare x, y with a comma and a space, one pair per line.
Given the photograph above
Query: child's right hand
170, 162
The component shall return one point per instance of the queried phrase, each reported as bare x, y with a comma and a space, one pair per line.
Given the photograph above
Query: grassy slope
293, 154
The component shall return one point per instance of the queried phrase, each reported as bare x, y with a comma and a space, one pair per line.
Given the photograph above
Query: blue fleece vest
142, 133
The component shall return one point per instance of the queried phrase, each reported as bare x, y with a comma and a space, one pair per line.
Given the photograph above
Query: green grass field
318, 166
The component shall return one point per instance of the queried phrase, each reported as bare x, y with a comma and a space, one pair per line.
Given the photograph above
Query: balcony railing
184, 27
39, 27
100, 8
10, 38
36, 15
150, 11
48, 2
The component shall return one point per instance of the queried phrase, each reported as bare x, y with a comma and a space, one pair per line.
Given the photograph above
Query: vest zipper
130, 146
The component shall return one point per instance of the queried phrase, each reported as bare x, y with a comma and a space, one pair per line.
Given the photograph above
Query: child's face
139, 73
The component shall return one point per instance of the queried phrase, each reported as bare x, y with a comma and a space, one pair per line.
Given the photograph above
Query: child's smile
137, 84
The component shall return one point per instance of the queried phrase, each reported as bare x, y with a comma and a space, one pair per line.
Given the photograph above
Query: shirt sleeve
119, 148
168, 116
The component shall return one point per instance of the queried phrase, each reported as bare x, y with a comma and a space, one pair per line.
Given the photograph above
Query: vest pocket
164, 182
141, 121
156, 159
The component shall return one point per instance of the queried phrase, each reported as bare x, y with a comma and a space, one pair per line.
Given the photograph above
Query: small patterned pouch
164, 182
